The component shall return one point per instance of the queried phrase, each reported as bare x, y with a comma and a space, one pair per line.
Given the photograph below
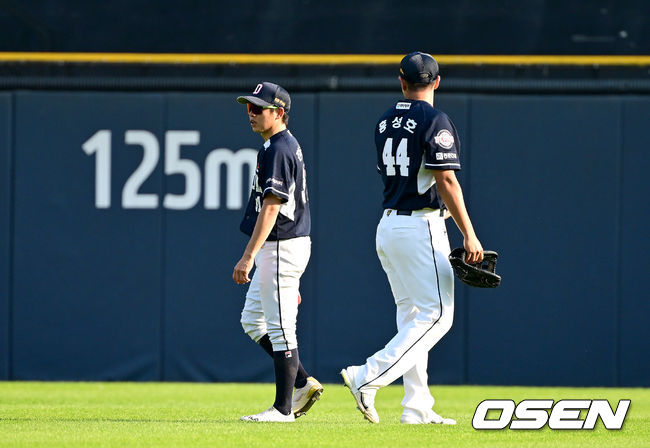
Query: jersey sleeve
278, 177
442, 146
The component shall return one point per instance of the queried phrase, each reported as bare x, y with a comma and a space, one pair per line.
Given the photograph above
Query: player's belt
422, 212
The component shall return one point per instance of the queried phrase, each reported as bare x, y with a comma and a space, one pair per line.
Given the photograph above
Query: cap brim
252, 99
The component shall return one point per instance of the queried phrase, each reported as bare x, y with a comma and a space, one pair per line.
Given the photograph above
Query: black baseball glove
480, 275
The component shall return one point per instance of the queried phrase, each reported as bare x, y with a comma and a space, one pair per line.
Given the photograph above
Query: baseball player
417, 156
278, 222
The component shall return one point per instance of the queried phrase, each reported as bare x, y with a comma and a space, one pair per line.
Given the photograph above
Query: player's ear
437, 83
279, 113
403, 83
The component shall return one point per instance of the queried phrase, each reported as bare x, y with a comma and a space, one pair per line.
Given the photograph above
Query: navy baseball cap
419, 68
268, 94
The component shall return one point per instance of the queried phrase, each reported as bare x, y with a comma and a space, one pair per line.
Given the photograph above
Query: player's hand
242, 269
473, 250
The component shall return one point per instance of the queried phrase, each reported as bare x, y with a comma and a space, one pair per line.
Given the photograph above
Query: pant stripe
435, 265
277, 274
433, 252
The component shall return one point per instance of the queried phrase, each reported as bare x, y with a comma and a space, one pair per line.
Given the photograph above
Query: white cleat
270, 415
305, 397
439, 420
365, 401
435, 418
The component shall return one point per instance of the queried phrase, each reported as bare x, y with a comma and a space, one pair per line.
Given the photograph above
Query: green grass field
207, 415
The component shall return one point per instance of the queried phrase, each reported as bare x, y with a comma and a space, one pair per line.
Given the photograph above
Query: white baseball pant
413, 251
272, 298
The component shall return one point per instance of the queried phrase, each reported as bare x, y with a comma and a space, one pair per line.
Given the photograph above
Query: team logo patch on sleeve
444, 139
446, 156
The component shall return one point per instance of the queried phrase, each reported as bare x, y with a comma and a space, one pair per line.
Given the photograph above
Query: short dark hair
416, 85
285, 118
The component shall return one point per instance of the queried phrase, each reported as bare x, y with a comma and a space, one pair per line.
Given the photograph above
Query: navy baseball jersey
281, 172
413, 139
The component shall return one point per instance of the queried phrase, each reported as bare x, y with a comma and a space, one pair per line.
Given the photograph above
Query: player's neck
272, 131
420, 95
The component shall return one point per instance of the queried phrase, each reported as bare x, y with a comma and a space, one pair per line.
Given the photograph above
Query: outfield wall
117, 247
368, 26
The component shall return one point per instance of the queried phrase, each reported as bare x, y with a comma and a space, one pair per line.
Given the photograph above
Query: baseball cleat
365, 401
435, 419
305, 397
271, 415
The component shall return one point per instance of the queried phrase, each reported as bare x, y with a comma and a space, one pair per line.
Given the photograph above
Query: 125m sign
100, 146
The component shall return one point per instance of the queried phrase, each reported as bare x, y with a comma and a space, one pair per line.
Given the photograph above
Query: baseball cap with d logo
268, 94
419, 68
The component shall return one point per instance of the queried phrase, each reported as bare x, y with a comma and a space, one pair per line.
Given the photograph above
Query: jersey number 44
400, 158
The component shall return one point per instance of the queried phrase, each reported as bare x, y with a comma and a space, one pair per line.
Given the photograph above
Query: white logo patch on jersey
446, 156
444, 139
403, 106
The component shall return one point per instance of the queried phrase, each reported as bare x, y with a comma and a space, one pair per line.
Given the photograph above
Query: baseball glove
480, 275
